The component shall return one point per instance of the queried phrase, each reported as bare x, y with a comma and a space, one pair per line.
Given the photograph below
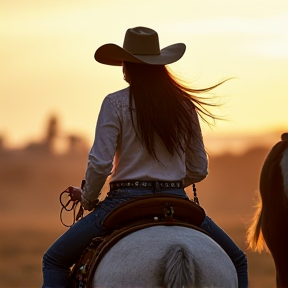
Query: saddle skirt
131, 216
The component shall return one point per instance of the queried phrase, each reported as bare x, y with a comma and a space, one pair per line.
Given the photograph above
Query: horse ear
284, 137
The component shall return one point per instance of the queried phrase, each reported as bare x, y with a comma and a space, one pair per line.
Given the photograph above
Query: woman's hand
75, 193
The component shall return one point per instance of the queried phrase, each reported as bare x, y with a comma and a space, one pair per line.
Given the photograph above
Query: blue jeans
68, 248
237, 256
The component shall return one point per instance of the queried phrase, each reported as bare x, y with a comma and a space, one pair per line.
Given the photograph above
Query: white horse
166, 256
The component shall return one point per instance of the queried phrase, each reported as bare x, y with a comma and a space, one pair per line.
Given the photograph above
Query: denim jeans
237, 256
68, 248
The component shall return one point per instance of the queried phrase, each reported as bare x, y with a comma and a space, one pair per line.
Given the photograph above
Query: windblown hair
164, 106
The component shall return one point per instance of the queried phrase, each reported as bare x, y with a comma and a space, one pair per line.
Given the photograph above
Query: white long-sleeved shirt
117, 151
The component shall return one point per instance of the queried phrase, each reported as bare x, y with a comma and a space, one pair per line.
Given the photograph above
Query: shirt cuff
88, 205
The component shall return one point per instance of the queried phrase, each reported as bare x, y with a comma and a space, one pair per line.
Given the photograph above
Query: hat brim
112, 54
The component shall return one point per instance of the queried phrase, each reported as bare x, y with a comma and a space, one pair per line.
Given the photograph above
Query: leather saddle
130, 216
155, 207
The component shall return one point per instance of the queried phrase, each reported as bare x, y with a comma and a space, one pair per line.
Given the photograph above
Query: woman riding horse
148, 139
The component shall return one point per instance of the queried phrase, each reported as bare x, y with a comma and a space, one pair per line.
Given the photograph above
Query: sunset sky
47, 65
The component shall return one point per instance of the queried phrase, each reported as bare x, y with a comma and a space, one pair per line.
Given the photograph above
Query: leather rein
70, 206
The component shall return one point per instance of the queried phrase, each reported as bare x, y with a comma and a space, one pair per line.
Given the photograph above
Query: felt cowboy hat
141, 45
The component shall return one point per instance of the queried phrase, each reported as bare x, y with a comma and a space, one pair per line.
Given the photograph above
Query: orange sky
47, 65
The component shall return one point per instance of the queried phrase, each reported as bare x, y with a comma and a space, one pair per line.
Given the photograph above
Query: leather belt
146, 184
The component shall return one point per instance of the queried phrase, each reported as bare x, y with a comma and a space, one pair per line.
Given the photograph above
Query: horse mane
255, 239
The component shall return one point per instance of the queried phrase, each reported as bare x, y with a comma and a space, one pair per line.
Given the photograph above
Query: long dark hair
164, 106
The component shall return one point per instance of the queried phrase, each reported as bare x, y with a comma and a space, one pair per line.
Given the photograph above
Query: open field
29, 207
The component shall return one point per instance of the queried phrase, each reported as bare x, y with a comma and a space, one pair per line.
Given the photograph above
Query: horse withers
270, 225
159, 251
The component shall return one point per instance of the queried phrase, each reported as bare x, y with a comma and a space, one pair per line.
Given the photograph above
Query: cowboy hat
141, 45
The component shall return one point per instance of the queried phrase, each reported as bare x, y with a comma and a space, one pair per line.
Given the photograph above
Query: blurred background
51, 90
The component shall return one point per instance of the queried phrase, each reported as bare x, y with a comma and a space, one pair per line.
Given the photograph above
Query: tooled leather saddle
128, 217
